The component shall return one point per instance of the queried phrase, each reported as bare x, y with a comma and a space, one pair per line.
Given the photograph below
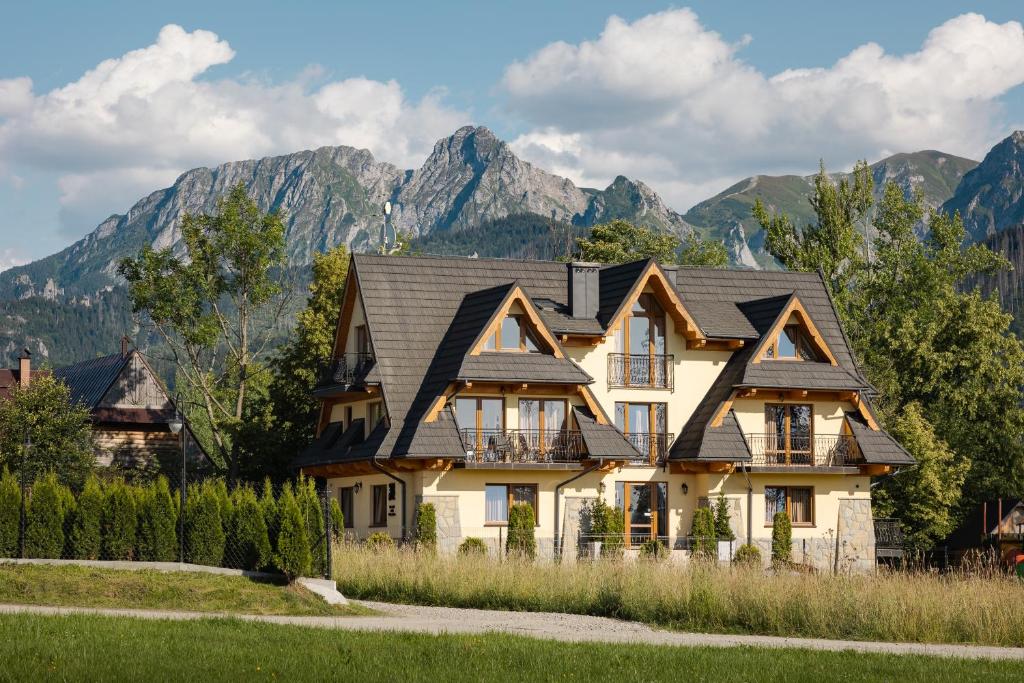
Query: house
128, 405
474, 384
993, 526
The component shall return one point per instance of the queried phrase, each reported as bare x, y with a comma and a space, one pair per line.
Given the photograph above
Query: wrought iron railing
888, 533
824, 450
653, 447
348, 369
641, 370
523, 445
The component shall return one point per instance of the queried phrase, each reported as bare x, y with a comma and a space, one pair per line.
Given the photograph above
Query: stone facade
855, 538
449, 525
574, 522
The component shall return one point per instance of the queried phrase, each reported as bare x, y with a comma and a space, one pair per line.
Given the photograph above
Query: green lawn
89, 587
93, 648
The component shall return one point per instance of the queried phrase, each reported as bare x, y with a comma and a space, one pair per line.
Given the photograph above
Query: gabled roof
603, 440
792, 307
877, 447
531, 368
90, 379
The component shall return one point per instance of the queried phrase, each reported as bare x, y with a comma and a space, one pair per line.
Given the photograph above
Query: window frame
494, 343
479, 416
657, 319
362, 339
509, 502
383, 489
652, 418
787, 449
769, 523
802, 343
370, 423
348, 517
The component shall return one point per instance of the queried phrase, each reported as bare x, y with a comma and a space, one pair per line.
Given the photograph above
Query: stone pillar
855, 537
449, 525
572, 524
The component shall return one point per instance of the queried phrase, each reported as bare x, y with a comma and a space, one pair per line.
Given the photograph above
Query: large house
474, 384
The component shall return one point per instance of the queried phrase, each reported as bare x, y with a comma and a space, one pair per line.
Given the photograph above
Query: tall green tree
287, 417
59, 430
44, 531
620, 241
834, 243
84, 528
701, 252
216, 304
10, 513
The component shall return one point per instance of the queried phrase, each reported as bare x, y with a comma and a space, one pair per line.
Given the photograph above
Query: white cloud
10, 258
670, 101
132, 124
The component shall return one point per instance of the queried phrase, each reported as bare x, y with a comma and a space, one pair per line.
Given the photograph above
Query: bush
748, 555
268, 506
293, 555
84, 523
425, 531
10, 513
473, 546
44, 528
379, 541
782, 539
248, 542
521, 522
337, 521
654, 549
158, 534
313, 514
118, 522
204, 531
722, 527
608, 525
705, 546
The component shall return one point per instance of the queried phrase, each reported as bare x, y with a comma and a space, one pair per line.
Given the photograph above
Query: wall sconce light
358, 486
686, 489
600, 487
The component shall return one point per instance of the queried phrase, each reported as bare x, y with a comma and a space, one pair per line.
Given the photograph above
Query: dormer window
793, 344
513, 335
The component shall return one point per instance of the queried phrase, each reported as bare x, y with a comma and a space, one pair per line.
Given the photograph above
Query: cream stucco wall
828, 415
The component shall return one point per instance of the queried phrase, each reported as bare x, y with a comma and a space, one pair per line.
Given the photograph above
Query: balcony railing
888, 533
523, 445
641, 370
825, 450
653, 446
350, 368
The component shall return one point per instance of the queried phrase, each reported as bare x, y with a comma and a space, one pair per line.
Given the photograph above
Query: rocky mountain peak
989, 198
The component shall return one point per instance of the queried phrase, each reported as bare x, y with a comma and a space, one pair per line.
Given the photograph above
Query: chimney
125, 341
24, 368
671, 272
584, 291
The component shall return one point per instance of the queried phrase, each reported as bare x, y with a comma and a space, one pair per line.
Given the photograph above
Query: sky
102, 103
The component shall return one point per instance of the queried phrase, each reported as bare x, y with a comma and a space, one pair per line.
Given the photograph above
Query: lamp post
175, 425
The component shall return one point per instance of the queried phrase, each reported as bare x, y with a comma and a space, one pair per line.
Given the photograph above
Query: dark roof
601, 440
784, 374
615, 282
331, 445
90, 379
877, 447
537, 368
10, 377
560, 321
690, 442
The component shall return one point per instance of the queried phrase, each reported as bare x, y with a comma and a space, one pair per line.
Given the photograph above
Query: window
640, 346
347, 500
793, 344
796, 501
498, 498
645, 507
374, 413
644, 424
789, 433
362, 340
514, 335
380, 505
480, 420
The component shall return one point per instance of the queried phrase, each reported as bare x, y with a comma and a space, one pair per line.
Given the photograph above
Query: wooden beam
592, 403
696, 343
719, 416
667, 296
771, 337
875, 470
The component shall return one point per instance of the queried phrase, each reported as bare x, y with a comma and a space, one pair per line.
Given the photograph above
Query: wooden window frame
654, 318
788, 407
541, 418
493, 342
627, 494
800, 525
362, 339
379, 405
349, 517
373, 509
652, 417
509, 502
480, 414
802, 342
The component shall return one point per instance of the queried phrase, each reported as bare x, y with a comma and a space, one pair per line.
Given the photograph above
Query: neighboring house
994, 525
128, 405
474, 384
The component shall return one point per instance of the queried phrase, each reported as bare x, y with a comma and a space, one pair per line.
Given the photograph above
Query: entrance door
645, 508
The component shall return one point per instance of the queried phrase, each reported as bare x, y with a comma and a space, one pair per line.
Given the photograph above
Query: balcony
641, 371
349, 369
522, 446
824, 450
653, 447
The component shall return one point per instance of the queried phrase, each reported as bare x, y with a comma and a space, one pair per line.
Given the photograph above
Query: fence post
325, 498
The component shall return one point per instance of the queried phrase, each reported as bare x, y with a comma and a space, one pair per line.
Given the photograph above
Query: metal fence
641, 370
821, 450
523, 445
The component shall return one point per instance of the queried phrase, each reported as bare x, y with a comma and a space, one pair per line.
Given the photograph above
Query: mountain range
471, 195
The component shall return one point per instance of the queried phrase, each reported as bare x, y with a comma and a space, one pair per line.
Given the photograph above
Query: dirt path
550, 626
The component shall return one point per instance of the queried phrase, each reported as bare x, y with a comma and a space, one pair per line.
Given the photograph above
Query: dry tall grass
909, 607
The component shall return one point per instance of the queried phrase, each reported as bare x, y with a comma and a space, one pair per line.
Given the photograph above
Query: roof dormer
793, 336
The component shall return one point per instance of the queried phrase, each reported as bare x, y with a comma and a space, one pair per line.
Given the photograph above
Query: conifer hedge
425, 532
309, 501
521, 541
44, 530
204, 530
118, 522
158, 524
10, 513
84, 540
782, 539
293, 553
248, 542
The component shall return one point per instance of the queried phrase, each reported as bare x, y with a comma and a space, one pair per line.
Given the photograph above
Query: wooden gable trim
348, 305
723, 410
865, 412
667, 296
441, 401
592, 404
794, 306
516, 295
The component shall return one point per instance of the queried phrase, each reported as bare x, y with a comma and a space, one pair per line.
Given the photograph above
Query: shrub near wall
425, 532
10, 513
705, 539
118, 522
782, 539
309, 502
83, 542
521, 542
44, 530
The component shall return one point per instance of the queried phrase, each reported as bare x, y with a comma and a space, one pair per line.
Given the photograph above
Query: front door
645, 508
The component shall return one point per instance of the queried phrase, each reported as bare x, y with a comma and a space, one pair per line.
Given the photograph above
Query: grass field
885, 606
89, 587
103, 648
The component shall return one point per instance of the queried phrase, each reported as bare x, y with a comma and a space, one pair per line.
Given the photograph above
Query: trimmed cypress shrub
248, 543
521, 542
204, 531
748, 555
158, 535
425, 531
312, 512
337, 521
782, 539
473, 546
10, 513
608, 525
705, 546
220, 487
293, 555
380, 541
654, 549
268, 506
118, 522
722, 527
44, 528
84, 523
